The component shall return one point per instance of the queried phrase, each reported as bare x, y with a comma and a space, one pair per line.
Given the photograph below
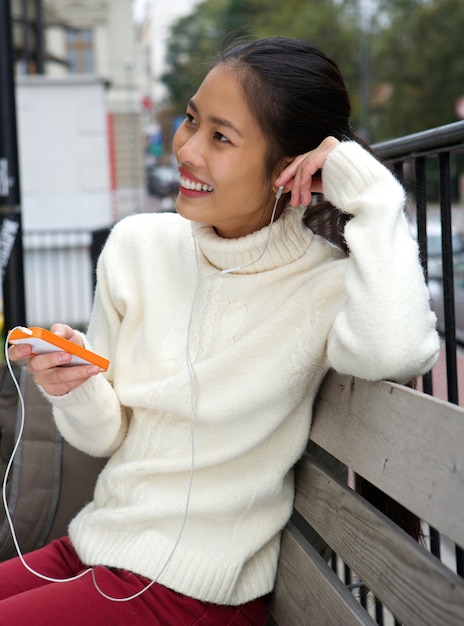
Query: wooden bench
409, 445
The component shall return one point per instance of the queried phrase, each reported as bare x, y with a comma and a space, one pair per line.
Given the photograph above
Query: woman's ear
282, 164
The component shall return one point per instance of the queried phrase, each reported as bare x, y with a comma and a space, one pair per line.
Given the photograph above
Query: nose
189, 148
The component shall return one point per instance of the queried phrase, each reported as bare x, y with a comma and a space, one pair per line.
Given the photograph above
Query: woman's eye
220, 137
189, 118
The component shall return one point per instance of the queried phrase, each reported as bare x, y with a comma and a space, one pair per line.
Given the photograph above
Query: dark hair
298, 97
296, 93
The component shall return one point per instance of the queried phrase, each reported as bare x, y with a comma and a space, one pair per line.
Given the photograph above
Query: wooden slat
408, 444
308, 592
413, 584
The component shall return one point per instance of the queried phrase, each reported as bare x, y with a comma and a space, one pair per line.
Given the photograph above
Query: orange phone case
43, 342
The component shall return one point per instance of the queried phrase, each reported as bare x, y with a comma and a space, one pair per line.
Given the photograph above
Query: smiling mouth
186, 183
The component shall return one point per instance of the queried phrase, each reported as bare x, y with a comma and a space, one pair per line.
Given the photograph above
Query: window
80, 51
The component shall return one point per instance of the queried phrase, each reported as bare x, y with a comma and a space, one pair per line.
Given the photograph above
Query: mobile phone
44, 342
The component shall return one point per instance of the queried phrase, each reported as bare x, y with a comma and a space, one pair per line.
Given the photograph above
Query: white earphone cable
89, 570
193, 400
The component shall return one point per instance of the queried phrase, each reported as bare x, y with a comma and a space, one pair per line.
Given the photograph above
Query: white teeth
190, 184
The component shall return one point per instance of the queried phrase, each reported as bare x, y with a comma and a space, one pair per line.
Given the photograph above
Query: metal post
363, 25
11, 251
448, 277
26, 58
39, 38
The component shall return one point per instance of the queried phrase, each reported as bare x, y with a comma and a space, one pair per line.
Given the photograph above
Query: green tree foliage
193, 43
330, 24
414, 48
421, 58
240, 17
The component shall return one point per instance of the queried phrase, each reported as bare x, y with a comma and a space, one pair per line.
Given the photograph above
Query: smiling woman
221, 153
220, 322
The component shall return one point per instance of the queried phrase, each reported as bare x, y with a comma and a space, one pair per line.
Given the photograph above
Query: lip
193, 193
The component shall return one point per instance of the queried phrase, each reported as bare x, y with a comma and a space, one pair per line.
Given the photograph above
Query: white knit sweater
259, 340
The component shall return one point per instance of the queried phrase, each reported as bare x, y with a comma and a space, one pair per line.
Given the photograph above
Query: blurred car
162, 180
436, 298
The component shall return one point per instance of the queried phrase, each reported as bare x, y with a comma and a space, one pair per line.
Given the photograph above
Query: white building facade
80, 144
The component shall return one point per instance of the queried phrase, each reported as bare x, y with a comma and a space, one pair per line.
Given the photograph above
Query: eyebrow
217, 120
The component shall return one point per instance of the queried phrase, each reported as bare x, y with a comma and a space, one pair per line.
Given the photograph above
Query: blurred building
153, 25
81, 147
62, 39
150, 38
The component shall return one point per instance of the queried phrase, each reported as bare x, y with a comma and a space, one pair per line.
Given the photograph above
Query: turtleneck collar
287, 240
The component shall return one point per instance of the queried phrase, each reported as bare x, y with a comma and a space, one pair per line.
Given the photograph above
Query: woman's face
221, 153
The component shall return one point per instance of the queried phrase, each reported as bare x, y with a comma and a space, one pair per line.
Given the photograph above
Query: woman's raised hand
301, 176
46, 368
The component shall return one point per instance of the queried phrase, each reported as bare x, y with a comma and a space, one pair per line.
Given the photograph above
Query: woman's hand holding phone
48, 368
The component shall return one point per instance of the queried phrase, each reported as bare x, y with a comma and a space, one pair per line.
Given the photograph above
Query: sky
164, 13
169, 10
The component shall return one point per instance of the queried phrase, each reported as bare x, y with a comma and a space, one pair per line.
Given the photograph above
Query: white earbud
279, 192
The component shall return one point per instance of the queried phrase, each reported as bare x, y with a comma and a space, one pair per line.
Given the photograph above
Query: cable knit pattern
261, 338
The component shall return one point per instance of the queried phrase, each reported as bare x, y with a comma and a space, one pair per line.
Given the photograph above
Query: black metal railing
417, 158
426, 164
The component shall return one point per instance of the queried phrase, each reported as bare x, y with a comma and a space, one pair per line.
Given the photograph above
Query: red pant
30, 601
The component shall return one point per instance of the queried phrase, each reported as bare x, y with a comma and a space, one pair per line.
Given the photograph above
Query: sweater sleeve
91, 417
385, 328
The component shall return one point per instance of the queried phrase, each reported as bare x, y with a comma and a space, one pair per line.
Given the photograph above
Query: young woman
220, 324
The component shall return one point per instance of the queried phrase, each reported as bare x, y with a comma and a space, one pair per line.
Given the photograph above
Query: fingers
302, 176
65, 331
47, 369
46, 362
287, 176
19, 352
56, 380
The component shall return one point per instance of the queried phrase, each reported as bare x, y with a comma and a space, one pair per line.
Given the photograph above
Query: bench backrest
409, 445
